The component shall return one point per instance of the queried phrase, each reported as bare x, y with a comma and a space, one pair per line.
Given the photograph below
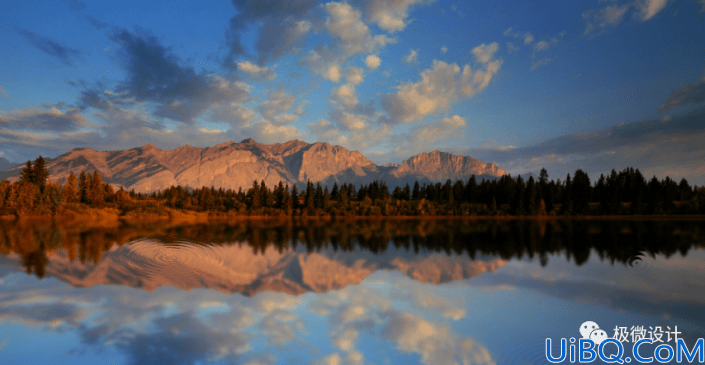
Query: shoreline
110, 217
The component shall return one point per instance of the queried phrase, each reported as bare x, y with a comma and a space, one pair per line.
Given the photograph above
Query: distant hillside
5, 164
233, 165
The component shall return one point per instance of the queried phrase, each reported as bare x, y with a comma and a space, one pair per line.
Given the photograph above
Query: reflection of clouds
183, 339
434, 342
174, 326
277, 326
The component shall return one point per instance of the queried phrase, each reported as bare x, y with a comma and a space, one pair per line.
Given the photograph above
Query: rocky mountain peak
232, 165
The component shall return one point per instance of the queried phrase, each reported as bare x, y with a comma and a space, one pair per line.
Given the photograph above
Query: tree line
626, 192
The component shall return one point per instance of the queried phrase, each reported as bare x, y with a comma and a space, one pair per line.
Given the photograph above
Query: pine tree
70, 189
27, 174
83, 187
97, 189
309, 196
294, 197
416, 193
40, 172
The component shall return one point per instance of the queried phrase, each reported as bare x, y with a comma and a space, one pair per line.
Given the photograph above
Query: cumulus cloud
528, 38
284, 25
255, 71
156, 75
372, 62
65, 54
441, 86
345, 23
354, 76
345, 96
53, 120
686, 94
350, 130
267, 132
444, 49
277, 102
389, 15
428, 137
412, 57
485, 52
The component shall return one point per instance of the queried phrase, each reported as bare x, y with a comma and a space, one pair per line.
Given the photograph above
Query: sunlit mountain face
366, 291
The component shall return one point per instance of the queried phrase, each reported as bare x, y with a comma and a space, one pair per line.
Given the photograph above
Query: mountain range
233, 165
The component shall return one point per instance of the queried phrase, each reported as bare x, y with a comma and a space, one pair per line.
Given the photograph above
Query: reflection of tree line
619, 193
616, 241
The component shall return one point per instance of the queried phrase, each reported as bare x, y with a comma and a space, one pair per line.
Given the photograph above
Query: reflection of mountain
148, 264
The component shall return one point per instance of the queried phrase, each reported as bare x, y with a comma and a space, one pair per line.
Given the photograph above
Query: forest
626, 192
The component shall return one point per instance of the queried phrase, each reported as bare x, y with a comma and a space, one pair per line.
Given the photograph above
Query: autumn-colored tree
70, 190
97, 189
83, 188
40, 174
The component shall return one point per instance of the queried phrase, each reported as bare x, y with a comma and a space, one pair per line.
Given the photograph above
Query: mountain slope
237, 165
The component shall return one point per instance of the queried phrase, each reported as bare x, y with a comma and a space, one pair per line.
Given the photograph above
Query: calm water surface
372, 292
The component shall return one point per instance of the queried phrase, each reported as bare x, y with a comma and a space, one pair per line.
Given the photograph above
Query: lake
355, 292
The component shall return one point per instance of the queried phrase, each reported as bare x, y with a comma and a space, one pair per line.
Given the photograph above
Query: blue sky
592, 85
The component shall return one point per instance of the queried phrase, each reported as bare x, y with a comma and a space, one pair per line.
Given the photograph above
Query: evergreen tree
70, 191
335, 191
580, 193
416, 193
344, 198
310, 200
40, 173
27, 174
97, 189
318, 197
83, 189
294, 197
326, 198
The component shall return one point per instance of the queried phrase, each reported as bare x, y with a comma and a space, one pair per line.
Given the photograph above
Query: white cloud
372, 62
332, 73
598, 21
440, 87
354, 76
265, 131
427, 137
234, 113
412, 57
444, 49
345, 23
485, 52
258, 72
390, 15
212, 131
541, 46
278, 102
649, 8
345, 95
528, 38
